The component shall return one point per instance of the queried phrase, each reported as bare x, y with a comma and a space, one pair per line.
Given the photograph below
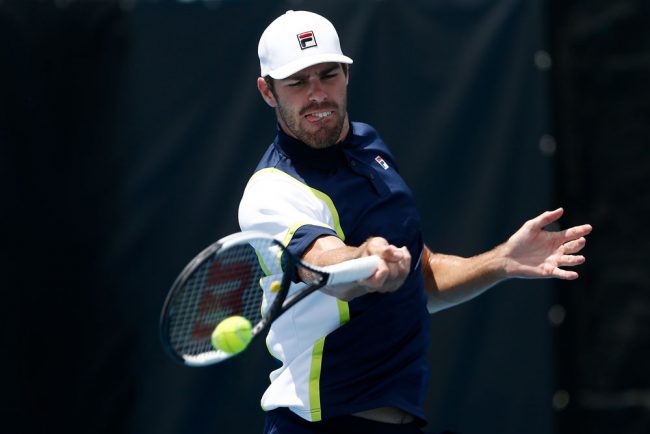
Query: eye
295, 83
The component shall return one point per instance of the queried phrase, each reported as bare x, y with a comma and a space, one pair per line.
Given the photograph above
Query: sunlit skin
311, 105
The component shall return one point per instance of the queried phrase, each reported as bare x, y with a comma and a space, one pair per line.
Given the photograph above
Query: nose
316, 92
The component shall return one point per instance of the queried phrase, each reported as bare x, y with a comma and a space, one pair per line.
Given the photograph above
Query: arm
390, 275
531, 252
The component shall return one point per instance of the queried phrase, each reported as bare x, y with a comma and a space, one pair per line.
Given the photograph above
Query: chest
372, 199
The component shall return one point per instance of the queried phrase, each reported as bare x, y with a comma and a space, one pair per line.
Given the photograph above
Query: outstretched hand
534, 252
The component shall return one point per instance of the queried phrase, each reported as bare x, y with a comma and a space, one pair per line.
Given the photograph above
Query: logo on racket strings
223, 296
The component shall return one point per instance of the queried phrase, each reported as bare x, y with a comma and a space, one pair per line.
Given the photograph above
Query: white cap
296, 40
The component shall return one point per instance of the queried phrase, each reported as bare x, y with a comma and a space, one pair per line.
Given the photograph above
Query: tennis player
353, 359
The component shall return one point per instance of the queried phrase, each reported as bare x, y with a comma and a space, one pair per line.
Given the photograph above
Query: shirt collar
303, 154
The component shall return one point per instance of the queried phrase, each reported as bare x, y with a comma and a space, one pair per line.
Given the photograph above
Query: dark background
129, 129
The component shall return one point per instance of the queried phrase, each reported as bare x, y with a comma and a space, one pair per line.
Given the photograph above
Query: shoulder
270, 183
271, 158
366, 136
364, 132
272, 195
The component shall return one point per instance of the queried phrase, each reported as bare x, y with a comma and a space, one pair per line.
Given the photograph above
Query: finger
392, 254
570, 260
405, 262
565, 274
577, 232
399, 270
546, 218
574, 246
397, 274
376, 245
380, 275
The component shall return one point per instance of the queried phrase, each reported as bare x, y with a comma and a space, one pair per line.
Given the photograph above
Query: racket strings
226, 284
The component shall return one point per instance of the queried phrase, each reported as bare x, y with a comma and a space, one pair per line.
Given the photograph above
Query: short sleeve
286, 208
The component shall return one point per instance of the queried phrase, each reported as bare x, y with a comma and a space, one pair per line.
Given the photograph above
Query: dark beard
323, 138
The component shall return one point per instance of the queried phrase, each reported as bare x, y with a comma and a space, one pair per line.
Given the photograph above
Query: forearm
331, 250
389, 275
530, 253
451, 280
331, 253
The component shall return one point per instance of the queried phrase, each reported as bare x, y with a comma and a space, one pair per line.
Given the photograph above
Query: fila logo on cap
307, 40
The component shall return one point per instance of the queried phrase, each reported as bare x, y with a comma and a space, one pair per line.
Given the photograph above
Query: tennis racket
249, 274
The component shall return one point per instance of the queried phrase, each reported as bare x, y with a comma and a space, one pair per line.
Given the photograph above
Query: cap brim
305, 62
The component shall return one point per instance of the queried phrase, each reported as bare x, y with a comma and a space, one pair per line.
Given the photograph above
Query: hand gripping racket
233, 276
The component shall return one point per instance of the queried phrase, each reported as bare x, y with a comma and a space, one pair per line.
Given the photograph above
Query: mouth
318, 116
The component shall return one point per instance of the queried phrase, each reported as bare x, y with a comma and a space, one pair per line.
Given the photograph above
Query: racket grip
352, 270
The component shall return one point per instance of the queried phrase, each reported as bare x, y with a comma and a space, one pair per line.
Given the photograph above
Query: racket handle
352, 270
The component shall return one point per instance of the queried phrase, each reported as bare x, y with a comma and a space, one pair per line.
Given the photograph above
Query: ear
266, 93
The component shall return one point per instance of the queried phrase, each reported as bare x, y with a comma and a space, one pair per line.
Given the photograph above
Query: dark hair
271, 84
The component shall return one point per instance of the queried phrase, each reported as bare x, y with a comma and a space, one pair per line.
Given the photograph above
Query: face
311, 105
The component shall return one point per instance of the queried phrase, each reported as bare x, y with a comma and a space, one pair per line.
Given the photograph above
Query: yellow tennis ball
232, 335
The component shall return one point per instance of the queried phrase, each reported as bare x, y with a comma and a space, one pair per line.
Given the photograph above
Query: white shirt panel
278, 204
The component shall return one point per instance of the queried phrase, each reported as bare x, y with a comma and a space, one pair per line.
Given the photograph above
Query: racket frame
280, 304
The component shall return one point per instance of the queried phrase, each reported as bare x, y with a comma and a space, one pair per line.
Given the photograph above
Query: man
354, 358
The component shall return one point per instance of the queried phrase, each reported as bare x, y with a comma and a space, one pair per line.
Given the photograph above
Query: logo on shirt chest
381, 162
